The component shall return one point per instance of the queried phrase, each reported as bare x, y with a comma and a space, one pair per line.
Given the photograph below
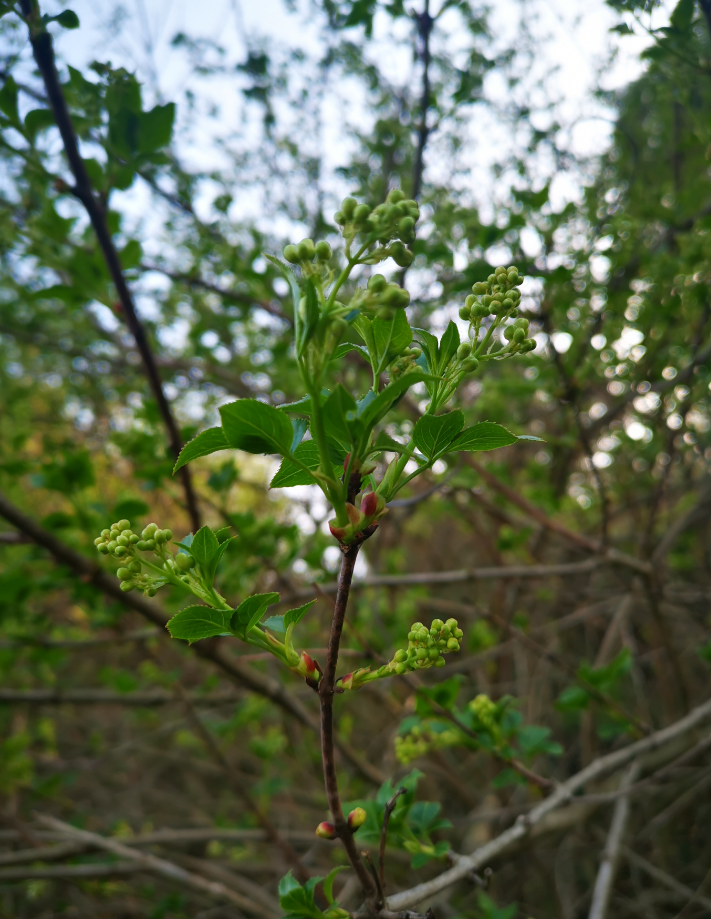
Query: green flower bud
306, 250
415, 352
184, 562
508, 304
518, 335
396, 195
150, 544
141, 544
421, 654
458, 634
120, 551
433, 654
377, 283
470, 300
412, 636
528, 345
104, 549
133, 539
135, 566
122, 540
123, 525
123, 573
149, 530
361, 213
486, 300
323, 251
401, 256
453, 645
491, 279
440, 662
463, 352
348, 205
357, 818
451, 624
106, 533
464, 312
126, 586
479, 288
401, 668
99, 540
406, 227
151, 592
114, 531
340, 218
113, 545
509, 332
168, 535
470, 365
290, 254
400, 656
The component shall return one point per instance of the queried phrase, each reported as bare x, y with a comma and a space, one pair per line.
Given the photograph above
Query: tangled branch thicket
506, 711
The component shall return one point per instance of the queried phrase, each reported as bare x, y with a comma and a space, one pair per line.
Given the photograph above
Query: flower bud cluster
372, 508
307, 252
382, 297
391, 223
122, 543
498, 296
421, 739
426, 646
405, 361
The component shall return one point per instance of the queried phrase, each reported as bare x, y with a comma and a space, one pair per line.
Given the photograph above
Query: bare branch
608, 867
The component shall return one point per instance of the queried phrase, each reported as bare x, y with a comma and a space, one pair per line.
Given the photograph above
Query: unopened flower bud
348, 205
184, 561
290, 254
361, 213
126, 586
124, 525
337, 532
135, 566
400, 656
464, 351
357, 818
353, 514
123, 573
377, 283
323, 251
470, 365
306, 250
120, 551
326, 830
465, 313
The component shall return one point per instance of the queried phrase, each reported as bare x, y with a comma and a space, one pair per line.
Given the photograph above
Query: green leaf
345, 348
288, 274
390, 338
289, 474
448, 346
67, 19
434, 433
204, 444
430, 349
250, 611
37, 120
329, 879
486, 435
207, 551
294, 616
8, 100
255, 427
339, 415
385, 442
299, 427
155, 128
682, 15
196, 622
382, 403
296, 900
306, 317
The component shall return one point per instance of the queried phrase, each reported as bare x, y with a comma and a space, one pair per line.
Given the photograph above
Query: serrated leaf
196, 622
430, 349
345, 348
289, 474
339, 414
390, 338
294, 616
250, 611
207, 551
486, 435
434, 433
385, 442
329, 879
204, 444
384, 400
256, 427
448, 346
299, 427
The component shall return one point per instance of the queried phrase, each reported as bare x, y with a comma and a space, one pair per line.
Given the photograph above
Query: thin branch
70, 872
425, 22
389, 808
326, 692
81, 644
608, 867
212, 650
661, 877
563, 795
155, 865
106, 697
43, 51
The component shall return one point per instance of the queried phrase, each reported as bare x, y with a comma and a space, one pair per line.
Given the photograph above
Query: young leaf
486, 435
448, 346
255, 427
294, 616
434, 433
385, 442
37, 120
382, 403
430, 349
390, 338
250, 611
299, 426
207, 551
204, 444
329, 879
345, 348
289, 474
339, 413
155, 128
306, 317
296, 900
196, 622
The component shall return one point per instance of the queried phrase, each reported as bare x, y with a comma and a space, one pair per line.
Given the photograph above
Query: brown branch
389, 808
425, 23
81, 644
43, 51
563, 795
106, 697
212, 649
326, 691
661, 877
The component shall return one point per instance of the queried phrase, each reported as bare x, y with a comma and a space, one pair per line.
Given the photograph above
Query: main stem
326, 694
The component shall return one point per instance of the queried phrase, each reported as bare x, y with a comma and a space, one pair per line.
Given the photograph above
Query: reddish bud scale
326, 830
369, 504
